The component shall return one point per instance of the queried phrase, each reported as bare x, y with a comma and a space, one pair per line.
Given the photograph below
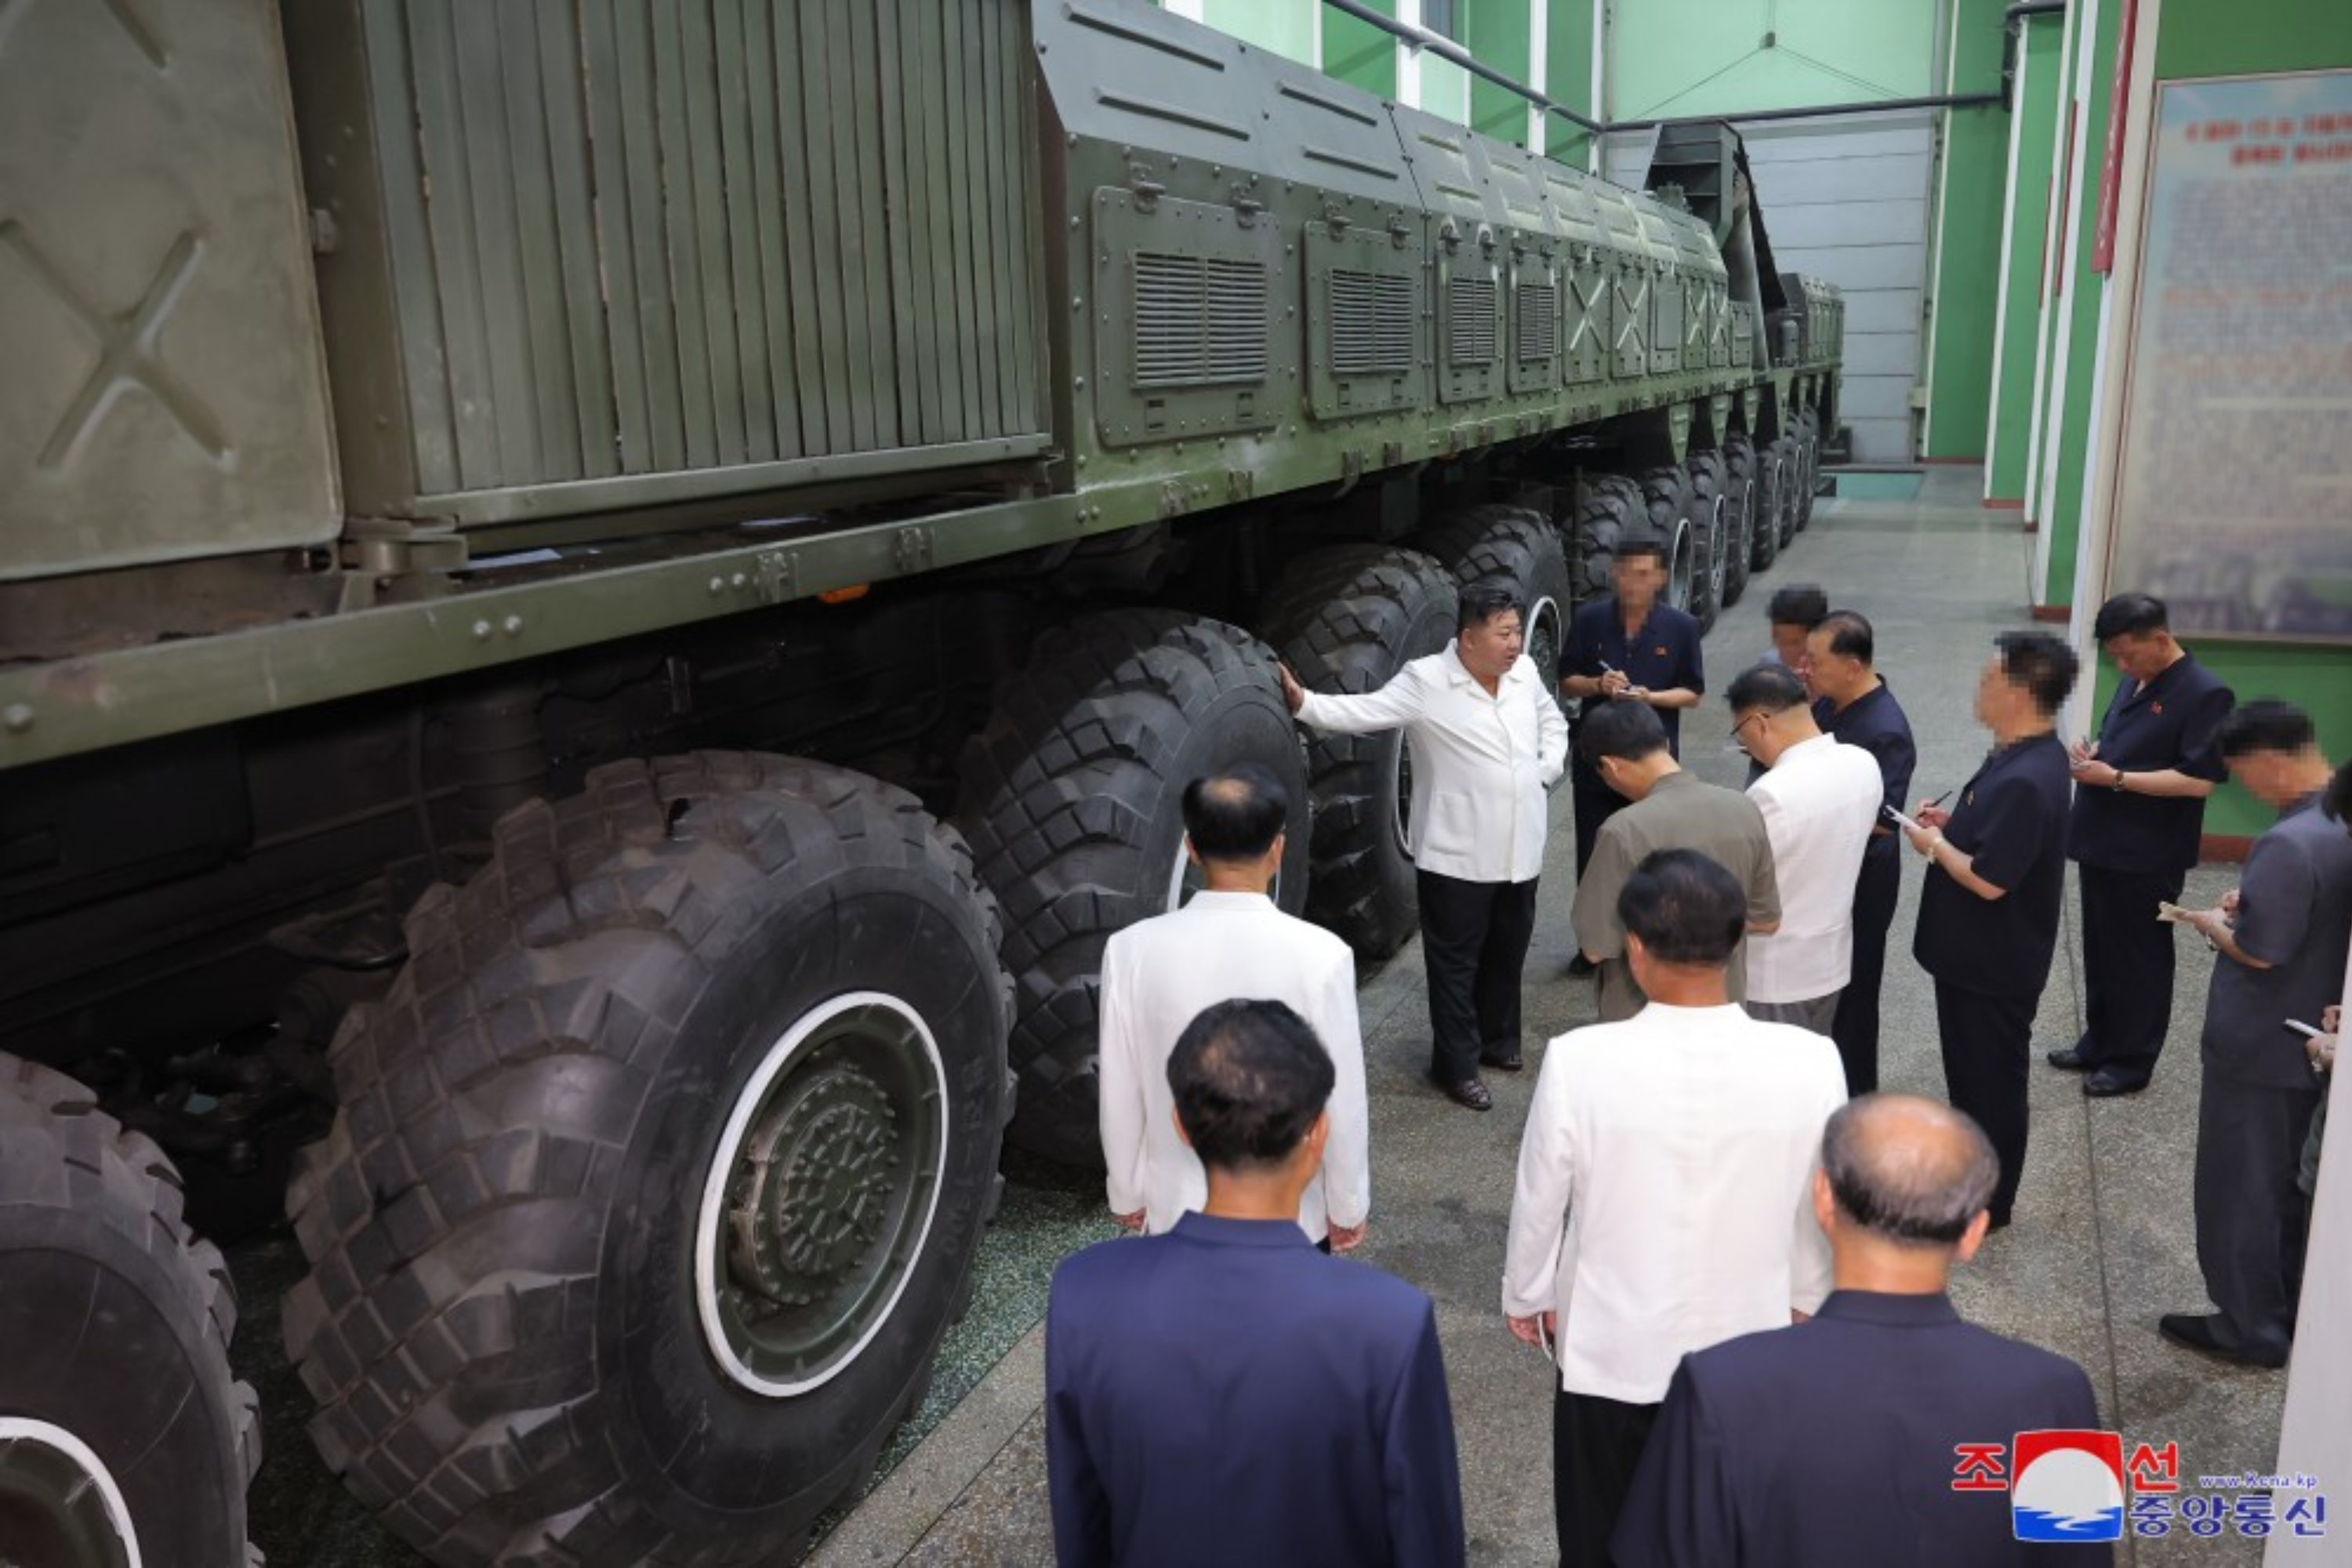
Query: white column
1539, 46
2018, 101
1408, 58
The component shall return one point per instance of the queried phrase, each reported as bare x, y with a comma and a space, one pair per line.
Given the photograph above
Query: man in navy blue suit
1223, 1392
1835, 1441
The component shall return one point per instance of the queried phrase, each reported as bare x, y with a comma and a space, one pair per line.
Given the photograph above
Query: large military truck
603, 603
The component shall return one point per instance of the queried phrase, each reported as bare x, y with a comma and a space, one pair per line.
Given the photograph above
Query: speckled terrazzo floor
2101, 1246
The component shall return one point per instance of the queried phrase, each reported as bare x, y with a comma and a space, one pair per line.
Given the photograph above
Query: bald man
1888, 1380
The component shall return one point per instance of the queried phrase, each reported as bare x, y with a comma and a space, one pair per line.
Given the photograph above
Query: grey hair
1911, 1191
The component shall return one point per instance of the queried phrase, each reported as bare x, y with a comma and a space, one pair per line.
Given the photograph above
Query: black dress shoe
2203, 1335
1515, 1062
1470, 1094
2107, 1083
1579, 966
2069, 1059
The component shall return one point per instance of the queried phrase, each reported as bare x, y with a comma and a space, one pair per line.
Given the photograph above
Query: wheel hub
59, 1503
821, 1193
814, 1188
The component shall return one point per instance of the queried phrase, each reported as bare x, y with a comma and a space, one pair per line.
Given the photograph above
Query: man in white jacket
1664, 1199
1820, 798
1229, 943
1487, 741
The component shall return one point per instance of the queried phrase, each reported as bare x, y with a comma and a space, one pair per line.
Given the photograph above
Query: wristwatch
2118, 785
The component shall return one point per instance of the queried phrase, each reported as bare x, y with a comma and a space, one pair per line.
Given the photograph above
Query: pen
1941, 798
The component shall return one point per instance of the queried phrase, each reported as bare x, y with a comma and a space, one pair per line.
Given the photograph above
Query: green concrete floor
2101, 1246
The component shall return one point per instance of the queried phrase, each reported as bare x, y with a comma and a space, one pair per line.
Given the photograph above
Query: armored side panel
162, 397
621, 253
1816, 314
1449, 165
1586, 274
1533, 248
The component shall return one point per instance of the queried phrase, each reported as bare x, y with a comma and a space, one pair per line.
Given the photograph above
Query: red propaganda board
2111, 168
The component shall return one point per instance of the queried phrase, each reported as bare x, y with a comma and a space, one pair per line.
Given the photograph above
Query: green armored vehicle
602, 605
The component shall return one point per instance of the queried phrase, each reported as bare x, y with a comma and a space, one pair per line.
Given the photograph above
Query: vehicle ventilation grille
1371, 323
1538, 320
1470, 320
1199, 322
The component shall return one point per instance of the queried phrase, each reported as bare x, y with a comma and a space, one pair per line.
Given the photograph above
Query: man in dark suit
1996, 879
2139, 813
1834, 1441
1225, 1393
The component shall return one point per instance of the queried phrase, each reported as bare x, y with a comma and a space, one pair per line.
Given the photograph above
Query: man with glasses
1854, 703
1819, 800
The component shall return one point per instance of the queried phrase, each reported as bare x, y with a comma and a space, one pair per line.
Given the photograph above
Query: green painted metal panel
624, 246
162, 395
1185, 308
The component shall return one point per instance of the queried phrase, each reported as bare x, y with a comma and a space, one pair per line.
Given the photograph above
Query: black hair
1648, 544
2337, 802
2040, 663
1798, 605
1686, 907
1911, 1191
2265, 724
1236, 814
1625, 731
1773, 687
2129, 614
1850, 635
1482, 602
1250, 1079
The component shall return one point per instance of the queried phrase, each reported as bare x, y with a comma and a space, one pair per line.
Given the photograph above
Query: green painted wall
1568, 76
1283, 27
2026, 261
1966, 266
1358, 52
1710, 57
2245, 37
1498, 32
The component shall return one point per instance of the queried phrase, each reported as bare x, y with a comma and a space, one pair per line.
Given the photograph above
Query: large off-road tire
1073, 797
124, 1437
1809, 462
1712, 519
1608, 508
1792, 465
1666, 493
1764, 530
1739, 499
1520, 550
658, 1171
1346, 619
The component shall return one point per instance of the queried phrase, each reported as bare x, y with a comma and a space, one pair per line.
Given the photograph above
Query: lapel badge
1969, 798
1661, 651
2156, 706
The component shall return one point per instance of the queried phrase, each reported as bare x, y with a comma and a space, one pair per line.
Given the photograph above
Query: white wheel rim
714, 1208
24, 1430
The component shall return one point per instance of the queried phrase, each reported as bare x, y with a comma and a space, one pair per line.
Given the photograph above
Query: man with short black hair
1628, 648
1794, 610
2281, 939
1996, 880
1229, 940
2139, 811
1221, 1394
1853, 702
1820, 801
1624, 746
1488, 741
1662, 1201
1890, 1383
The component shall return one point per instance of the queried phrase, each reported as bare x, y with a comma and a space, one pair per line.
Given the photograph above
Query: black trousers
1596, 802
1595, 1445
1987, 1045
2126, 966
2250, 1211
1473, 940
1856, 1028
